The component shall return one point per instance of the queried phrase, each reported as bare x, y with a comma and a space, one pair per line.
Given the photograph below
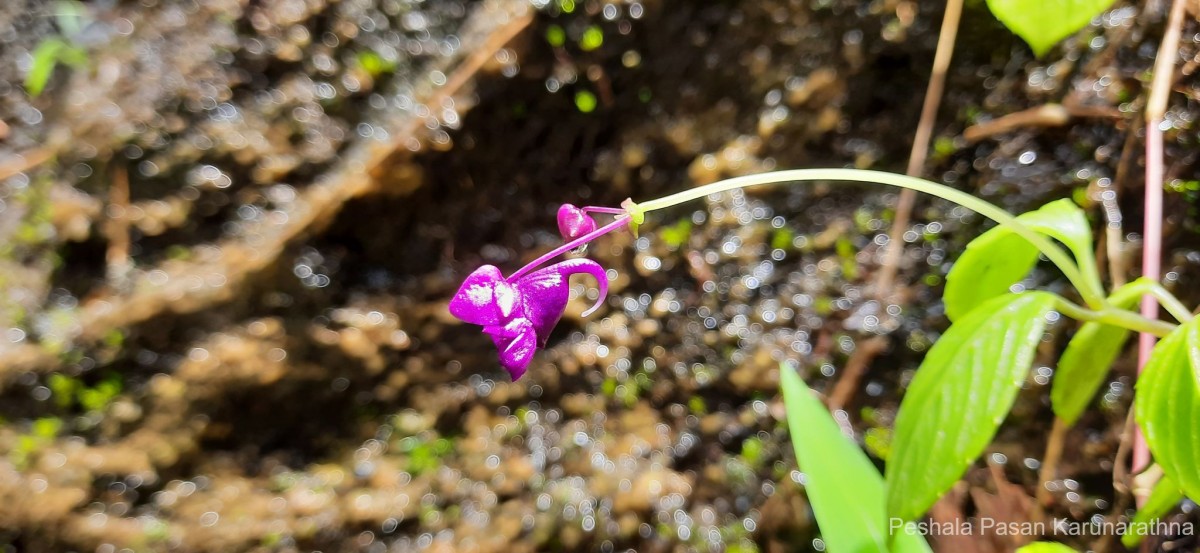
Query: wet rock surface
256, 355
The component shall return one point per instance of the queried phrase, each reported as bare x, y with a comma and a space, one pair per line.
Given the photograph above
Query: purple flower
520, 314
574, 222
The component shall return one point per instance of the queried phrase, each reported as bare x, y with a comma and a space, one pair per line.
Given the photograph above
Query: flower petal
516, 342
544, 293
576, 266
480, 301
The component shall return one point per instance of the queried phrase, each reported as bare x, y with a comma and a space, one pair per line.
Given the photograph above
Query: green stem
1092, 295
1170, 302
1115, 317
1128, 295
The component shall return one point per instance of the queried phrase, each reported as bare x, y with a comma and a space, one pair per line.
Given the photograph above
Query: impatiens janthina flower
519, 312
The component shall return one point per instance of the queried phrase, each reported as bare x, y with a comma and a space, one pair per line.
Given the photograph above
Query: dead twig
856, 367
24, 161
920, 146
1118, 261
1122, 483
116, 228
1049, 469
1046, 115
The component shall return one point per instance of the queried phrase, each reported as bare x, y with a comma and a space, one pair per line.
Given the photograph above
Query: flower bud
573, 222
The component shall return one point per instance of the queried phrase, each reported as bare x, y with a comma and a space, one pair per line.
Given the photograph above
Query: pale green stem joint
636, 213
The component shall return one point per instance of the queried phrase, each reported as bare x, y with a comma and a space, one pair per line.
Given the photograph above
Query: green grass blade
844, 488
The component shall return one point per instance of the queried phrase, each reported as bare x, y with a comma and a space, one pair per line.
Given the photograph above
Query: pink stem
616, 224
1151, 262
1156, 108
600, 209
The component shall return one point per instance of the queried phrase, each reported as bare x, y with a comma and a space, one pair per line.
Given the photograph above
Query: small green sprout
375, 64
585, 101
71, 16
556, 36
592, 38
676, 235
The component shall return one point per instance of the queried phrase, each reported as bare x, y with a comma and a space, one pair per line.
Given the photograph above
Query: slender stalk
1127, 294
1116, 317
1091, 295
602, 209
920, 145
1156, 107
616, 224
1170, 302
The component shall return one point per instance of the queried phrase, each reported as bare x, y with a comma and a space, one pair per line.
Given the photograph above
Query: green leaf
676, 235
45, 57
1064, 221
375, 64
1167, 406
999, 258
843, 486
1163, 498
1081, 370
71, 16
585, 101
556, 36
46, 428
991, 264
592, 38
73, 56
959, 396
1042, 23
1045, 547
63, 388
1089, 355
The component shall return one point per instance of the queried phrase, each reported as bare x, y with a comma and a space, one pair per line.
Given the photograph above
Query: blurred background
229, 230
